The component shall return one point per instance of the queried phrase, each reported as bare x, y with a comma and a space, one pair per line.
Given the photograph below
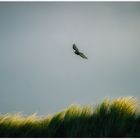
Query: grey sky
39, 71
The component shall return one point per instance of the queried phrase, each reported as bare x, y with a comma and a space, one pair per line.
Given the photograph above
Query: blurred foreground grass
111, 118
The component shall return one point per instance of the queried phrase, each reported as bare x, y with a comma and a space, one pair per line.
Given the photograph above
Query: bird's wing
83, 56
75, 48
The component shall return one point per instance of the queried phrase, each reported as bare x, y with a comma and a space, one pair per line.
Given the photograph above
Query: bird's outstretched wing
83, 56
75, 48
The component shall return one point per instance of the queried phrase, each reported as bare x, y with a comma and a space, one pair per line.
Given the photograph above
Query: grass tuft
111, 118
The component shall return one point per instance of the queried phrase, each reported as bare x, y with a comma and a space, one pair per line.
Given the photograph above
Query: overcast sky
39, 71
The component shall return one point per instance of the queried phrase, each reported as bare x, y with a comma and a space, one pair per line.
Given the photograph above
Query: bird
78, 52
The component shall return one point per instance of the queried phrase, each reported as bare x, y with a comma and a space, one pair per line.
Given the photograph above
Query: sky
39, 71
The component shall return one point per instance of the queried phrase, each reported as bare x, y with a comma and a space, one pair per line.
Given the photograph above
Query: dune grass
111, 118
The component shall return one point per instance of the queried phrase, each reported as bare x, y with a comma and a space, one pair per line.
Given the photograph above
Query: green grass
111, 118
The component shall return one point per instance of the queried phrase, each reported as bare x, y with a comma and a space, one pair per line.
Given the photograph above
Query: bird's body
78, 52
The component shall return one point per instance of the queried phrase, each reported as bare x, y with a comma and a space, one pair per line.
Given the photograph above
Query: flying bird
78, 52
